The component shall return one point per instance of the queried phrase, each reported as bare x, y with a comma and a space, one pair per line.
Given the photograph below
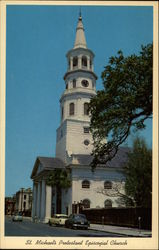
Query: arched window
86, 203
84, 61
108, 203
72, 109
62, 112
85, 184
74, 83
107, 185
75, 61
90, 63
86, 112
69, 64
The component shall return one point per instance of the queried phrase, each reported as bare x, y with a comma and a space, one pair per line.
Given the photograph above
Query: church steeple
80, 40
73, 135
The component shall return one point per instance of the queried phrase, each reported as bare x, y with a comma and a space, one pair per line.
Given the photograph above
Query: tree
60, 179
117, 191
138, 172
124, 103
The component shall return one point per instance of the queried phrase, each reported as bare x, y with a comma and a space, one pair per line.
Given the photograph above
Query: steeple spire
80, 40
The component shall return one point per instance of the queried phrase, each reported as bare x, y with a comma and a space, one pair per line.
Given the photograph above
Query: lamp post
139, 219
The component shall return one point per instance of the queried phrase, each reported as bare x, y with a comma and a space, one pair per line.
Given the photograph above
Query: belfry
74, 145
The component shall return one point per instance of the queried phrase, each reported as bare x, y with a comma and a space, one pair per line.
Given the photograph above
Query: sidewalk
134, 232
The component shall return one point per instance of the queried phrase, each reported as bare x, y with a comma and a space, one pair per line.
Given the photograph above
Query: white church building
74, 144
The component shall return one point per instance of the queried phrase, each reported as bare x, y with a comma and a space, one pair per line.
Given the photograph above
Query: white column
92, 68
71, 63
88, 62
38, 201
43, 201
79, 62
48, 202
34, 200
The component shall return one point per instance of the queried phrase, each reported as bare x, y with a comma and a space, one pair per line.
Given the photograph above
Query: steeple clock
73, 135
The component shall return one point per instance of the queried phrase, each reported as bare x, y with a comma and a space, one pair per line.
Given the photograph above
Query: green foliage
59, 178
139, 174
124, 103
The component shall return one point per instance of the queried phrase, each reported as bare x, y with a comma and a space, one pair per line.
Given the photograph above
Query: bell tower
73, 135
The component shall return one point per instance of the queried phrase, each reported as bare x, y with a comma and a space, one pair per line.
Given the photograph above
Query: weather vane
80, 14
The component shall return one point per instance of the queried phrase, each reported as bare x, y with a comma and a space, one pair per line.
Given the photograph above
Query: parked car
77, 221
17, 216
58, 219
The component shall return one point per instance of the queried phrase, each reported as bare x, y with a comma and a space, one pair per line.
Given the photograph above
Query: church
74, 144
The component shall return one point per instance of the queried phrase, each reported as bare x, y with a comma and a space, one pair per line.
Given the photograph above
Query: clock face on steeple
85, 83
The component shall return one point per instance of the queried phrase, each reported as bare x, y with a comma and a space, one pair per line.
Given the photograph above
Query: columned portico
34, 200
42, 200
48, 202
43, 194
38, 200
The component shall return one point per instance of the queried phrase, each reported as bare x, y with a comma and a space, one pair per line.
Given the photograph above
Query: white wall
97, 180
67, 200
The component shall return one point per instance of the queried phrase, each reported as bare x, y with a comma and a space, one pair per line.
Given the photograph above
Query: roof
47, 163
80, 40
117, 162
51, 162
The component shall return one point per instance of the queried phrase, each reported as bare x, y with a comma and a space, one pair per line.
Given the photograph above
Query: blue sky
38, 38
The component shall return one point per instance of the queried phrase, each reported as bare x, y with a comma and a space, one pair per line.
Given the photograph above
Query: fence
128, 217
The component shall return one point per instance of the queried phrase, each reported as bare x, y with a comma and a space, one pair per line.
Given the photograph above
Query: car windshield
62, 216
80, 216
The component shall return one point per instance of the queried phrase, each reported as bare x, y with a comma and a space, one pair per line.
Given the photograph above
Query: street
28, 228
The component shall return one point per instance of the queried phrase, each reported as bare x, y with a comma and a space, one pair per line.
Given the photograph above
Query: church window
62, 112
84, 61
72, 108
74, 83
85, 184
86, 130
69, 64
107, 185
86, 203
86, 142
75, 61
90, 63
86, 110
24, 204
66, 85
24, 196
108, 203
85, 83
61, 133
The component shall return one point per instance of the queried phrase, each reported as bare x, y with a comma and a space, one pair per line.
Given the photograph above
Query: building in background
10, 205
74, 145
24, 201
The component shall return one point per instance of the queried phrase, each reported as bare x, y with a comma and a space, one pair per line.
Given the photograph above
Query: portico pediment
39, 169
46, 164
